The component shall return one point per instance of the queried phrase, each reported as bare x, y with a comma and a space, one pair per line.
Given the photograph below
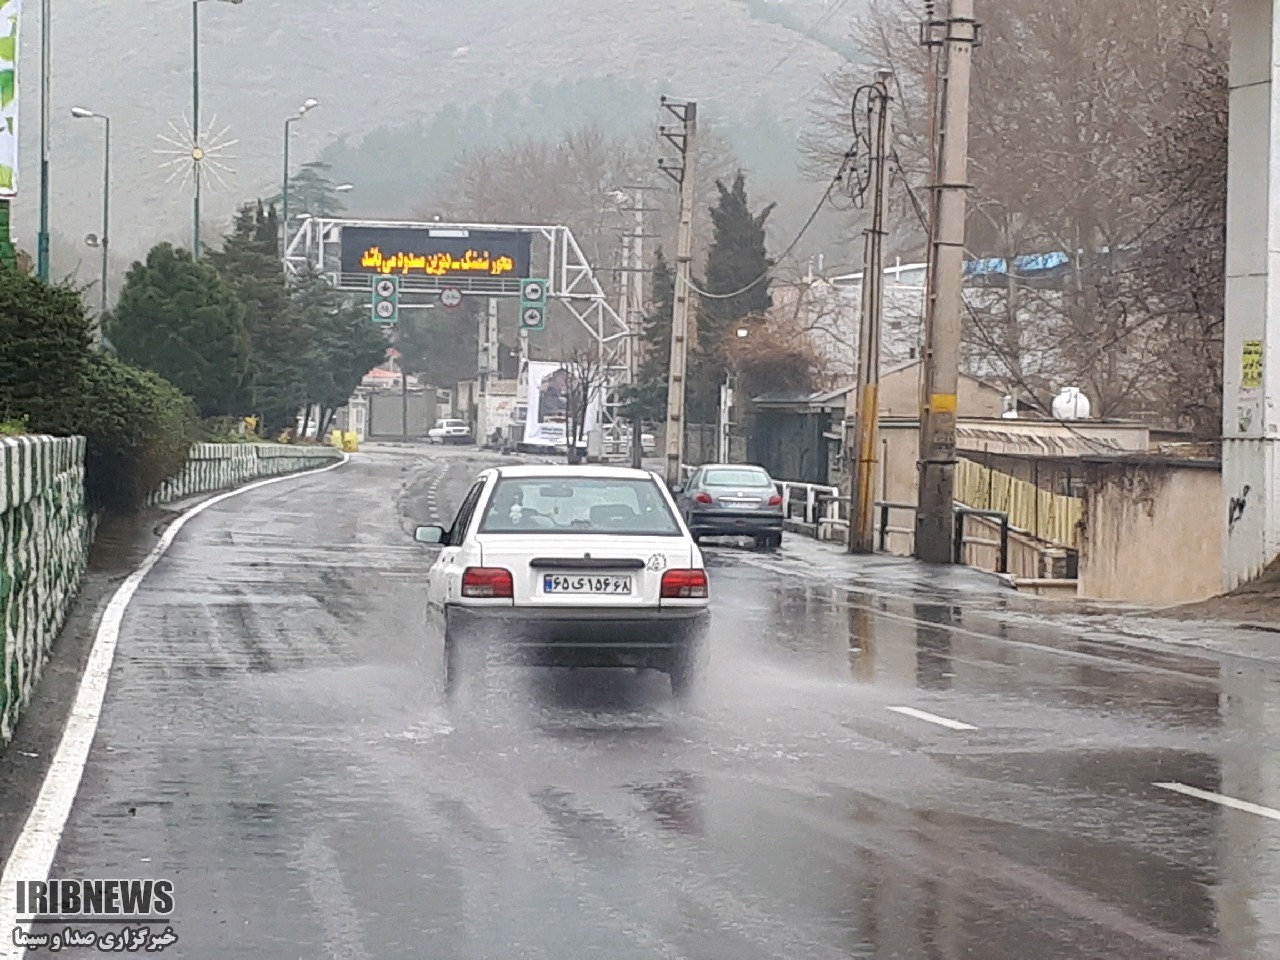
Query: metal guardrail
823, 506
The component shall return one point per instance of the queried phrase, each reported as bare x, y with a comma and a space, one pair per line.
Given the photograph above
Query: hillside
374, 64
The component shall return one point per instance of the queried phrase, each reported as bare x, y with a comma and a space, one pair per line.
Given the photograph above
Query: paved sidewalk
1129, 624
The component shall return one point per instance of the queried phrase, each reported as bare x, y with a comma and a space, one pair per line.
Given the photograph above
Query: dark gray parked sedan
732, 500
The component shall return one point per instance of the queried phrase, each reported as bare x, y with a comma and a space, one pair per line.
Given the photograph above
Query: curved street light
83, 113
197, 149
307, 106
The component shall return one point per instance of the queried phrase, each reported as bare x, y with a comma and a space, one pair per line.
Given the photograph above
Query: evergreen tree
249, 262
736, 261
656, 331
344, 343
311, 190
648, 398
178, 318
737, 277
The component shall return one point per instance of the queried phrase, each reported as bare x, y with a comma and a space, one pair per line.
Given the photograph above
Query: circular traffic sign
385, 288
385, 310
451, 297
533, 291
532, 317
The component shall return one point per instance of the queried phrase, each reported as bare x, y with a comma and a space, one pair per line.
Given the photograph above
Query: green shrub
138, 428
45, 345
15, 427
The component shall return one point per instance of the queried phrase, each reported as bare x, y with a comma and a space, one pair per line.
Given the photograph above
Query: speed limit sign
451, 297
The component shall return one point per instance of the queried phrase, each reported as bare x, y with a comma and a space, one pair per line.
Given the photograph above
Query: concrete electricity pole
935, 514
683, 138
861, 437
634, 318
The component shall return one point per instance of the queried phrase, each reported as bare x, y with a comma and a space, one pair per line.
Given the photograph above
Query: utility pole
682, 171
935, 512
862, 435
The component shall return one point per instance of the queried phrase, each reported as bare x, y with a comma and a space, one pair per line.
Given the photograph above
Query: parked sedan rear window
738, 478
621, 506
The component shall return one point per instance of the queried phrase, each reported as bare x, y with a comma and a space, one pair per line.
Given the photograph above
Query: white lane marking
1225, 801
928, 718
37, 845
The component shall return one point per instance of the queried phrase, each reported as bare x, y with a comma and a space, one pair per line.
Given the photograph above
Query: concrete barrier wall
219, 466
1152, 532
45, 534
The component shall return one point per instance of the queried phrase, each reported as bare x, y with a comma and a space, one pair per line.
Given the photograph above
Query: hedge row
138, 427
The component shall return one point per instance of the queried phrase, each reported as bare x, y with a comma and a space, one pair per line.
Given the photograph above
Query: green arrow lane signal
533, 304
533, 293
386, 300
533, 317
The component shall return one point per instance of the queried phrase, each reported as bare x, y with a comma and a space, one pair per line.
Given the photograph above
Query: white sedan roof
575, 470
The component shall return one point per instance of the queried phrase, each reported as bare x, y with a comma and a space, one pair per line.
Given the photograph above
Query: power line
849, 163
808, 35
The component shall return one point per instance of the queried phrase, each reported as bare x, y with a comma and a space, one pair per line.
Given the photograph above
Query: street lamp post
80, 113
197, 151
42, 241
307, 106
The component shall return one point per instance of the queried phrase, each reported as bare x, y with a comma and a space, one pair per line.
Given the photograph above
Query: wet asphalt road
275, 740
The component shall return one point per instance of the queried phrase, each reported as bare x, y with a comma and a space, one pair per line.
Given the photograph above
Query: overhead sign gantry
433, 261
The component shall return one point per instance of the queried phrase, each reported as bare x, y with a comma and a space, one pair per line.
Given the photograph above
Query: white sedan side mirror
432, 535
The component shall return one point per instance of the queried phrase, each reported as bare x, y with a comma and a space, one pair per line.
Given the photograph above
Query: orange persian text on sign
437, 264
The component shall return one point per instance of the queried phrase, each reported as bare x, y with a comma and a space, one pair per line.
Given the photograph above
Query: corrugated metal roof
1046, 444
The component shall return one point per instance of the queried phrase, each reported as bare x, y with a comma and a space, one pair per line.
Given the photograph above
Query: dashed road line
932, 718
37, 845
1232, 802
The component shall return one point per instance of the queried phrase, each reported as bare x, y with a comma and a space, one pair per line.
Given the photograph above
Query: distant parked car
619, 439
450, 431
732, 500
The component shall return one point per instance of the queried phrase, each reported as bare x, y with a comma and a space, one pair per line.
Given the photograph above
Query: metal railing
821, 507
961, 540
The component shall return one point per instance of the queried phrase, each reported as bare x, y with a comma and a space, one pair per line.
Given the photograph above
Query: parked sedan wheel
768, 542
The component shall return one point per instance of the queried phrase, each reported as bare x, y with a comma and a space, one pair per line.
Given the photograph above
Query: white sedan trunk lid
586, 571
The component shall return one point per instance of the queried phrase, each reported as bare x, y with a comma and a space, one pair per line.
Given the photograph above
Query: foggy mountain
376, 63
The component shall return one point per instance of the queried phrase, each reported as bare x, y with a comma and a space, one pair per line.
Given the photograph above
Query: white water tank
1071, 404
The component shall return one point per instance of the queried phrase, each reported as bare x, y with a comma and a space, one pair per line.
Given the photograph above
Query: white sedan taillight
684, 585
488, 583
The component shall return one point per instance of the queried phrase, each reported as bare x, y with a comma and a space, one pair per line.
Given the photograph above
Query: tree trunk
327, 415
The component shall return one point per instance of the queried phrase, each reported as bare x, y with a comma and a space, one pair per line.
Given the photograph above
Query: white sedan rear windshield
738, 478
622, 506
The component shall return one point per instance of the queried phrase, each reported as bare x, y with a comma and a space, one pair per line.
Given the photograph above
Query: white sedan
579, 566
450, 431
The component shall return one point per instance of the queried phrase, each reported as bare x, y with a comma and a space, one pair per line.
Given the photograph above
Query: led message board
423, 252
